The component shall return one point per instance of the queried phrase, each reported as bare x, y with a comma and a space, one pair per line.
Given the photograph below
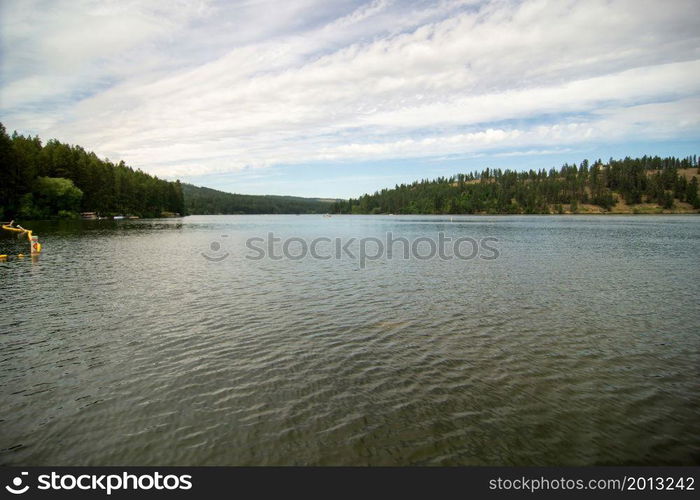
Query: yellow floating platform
35, 246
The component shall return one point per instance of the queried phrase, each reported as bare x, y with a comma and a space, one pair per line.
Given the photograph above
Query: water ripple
122, 345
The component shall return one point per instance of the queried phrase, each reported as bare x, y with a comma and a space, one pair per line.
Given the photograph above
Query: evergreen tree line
495, 191
206, 201
55, 179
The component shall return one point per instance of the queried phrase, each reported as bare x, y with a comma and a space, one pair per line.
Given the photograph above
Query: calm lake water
160, 342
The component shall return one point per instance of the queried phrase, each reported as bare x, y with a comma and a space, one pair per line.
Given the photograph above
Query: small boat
118, 217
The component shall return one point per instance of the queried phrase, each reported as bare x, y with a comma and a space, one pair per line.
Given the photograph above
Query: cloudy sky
337, 98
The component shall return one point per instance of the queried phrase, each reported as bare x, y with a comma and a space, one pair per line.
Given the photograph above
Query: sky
338, 98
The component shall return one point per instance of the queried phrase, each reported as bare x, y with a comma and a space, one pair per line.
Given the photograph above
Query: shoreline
480, 214
447, 215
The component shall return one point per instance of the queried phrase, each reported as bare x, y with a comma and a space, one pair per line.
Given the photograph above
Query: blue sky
338, 98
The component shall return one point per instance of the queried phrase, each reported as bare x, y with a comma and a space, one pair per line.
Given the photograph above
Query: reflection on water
578, 345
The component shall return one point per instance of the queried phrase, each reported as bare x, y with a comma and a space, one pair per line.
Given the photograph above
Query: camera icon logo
215, 252
16, 488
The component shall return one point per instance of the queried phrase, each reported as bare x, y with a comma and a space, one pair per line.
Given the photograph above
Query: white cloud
209, 87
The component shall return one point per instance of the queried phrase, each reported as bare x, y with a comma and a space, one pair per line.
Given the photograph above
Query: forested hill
641, 185
206, 201
56, 179
41, 181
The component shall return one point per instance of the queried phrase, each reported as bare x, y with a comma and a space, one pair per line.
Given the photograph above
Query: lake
551, 340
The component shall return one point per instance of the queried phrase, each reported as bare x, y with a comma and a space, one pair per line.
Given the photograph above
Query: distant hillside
632, 185
206, 201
